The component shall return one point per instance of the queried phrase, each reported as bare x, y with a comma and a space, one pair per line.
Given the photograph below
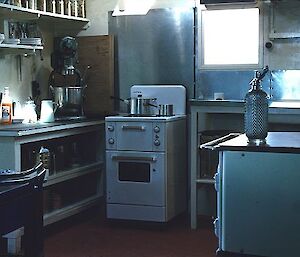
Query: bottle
6, 107
256, 111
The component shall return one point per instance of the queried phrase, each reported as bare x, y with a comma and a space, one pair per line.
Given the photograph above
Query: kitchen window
230, 38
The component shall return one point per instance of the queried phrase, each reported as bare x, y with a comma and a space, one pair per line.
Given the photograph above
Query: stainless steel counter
277, 142
227, 115
18, 130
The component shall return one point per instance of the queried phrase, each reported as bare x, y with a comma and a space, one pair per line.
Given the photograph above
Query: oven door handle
127, 127
131, 158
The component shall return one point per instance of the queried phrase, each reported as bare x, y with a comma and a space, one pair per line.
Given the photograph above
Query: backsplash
17, 71
279, 84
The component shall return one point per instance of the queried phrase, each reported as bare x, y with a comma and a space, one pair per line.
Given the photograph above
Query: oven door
136, 178
134, 136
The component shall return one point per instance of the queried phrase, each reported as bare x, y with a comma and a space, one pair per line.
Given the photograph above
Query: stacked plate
11, 41
31, 41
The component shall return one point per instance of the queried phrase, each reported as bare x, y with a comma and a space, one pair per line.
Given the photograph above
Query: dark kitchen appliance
146, 169
66, 84
258, 195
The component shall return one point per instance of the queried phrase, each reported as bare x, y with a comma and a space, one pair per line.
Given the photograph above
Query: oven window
134, 172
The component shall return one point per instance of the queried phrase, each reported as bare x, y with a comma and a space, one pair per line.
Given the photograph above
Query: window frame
200, 44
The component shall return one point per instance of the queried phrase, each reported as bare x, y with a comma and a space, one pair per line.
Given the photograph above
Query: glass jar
67, 9
16, 2
51, 6
81, 8
42, 5
60, 6
74, 8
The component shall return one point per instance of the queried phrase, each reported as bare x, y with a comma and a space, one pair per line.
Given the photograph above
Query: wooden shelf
70, 210
20, 13
19, 49
19, 46
73, 173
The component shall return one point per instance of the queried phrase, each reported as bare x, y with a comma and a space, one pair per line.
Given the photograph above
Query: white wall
17, 71
32, 68
97, 12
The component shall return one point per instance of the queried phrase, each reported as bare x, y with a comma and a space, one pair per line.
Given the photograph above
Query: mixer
65, 81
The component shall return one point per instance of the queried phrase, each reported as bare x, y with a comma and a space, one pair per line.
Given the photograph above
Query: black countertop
283, 142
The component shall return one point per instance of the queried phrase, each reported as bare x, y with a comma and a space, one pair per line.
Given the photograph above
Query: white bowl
2, 37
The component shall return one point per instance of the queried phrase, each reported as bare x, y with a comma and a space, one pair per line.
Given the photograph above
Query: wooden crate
97, 52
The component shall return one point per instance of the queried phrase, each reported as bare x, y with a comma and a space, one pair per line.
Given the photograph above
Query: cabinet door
260, 203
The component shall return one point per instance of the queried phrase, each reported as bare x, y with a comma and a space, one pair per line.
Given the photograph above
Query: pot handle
120, 99
55, 106
153, 105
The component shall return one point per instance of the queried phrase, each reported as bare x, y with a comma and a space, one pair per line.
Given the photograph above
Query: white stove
146, 170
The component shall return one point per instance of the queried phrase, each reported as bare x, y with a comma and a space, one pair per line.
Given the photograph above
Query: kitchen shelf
73, 173
21, 142
18, 46
70, 210
21, 13
20, 49
208, 119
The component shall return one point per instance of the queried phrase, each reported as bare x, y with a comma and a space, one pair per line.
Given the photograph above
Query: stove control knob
157, 142
110, 128
156, 129
111, 141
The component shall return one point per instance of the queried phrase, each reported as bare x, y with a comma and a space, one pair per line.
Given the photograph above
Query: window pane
231, 36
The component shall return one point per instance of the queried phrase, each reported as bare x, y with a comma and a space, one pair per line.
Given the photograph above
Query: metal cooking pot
67, 98
165, 110
142, 106
139, 106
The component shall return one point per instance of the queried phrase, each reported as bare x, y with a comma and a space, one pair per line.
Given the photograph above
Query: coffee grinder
65, 81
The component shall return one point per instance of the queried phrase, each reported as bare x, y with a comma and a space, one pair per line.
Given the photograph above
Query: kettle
47, 111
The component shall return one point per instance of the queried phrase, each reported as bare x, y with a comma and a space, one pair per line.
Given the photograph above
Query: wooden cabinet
75, 180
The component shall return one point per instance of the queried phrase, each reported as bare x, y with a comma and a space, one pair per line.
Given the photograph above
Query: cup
47, 111
219, 96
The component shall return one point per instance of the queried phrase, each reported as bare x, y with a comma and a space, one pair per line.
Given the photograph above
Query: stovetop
128, 117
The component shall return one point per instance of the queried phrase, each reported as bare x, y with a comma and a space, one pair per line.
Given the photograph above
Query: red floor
91, 235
